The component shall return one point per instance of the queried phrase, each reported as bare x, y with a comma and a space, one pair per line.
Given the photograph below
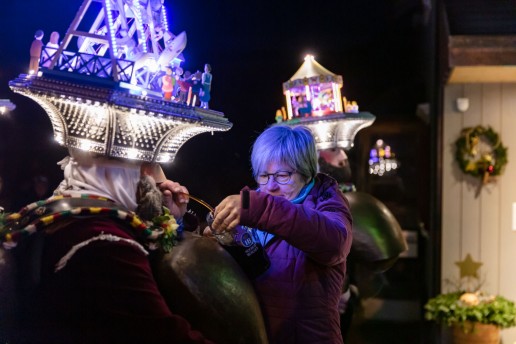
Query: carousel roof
310, 68
310, 73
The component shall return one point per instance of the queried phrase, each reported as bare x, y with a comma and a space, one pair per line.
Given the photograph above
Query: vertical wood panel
470, 212
452, 187
489, 238
481, 226
508, 186
507, 252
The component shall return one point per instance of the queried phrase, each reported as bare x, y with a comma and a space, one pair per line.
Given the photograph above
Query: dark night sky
253, 47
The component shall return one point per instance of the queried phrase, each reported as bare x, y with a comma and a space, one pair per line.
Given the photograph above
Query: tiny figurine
351, 107
184, 86
296, 103
284, 113
196, 87
176, 75
279, 116
354, 107
206, 86
305, 110
51, 48
168, 82
35, 51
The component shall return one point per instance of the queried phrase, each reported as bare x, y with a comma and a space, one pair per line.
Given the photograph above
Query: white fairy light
111, 25
139, 24
164, 17
132, 153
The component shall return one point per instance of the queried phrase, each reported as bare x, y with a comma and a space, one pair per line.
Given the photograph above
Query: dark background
379, 48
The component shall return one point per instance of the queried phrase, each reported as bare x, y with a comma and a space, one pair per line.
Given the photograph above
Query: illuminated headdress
106, 97
314, 100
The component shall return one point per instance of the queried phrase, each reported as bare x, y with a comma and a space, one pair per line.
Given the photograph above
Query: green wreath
480, 164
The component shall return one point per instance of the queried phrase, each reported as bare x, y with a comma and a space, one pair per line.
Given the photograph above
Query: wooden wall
480, 223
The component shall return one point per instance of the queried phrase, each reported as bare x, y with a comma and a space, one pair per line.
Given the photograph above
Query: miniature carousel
314, 100
115, 87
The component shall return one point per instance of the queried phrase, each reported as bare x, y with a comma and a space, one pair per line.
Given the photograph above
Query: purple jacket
300, 292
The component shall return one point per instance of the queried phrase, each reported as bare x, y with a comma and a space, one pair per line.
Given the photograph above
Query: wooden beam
482, 50
482, 74
482, 59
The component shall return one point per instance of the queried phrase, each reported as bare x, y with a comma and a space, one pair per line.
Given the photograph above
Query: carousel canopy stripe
313, 80
311, 73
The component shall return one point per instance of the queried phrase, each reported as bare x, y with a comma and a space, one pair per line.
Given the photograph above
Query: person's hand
175, 197
227, 214
343, 301
208, 233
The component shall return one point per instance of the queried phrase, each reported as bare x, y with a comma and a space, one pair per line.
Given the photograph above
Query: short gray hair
293, 146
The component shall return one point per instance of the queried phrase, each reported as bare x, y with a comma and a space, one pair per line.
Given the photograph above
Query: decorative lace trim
109, 237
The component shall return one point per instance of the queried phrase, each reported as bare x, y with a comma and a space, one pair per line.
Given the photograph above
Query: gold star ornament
468, 267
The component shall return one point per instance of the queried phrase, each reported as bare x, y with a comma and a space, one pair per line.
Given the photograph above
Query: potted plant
474, 317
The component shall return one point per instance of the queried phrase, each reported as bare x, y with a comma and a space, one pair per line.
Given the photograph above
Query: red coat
168, 83
300, 292
106, 293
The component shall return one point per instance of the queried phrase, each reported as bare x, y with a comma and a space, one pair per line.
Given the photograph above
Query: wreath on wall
480, 152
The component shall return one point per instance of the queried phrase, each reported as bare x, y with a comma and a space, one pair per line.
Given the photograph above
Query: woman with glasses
304, 223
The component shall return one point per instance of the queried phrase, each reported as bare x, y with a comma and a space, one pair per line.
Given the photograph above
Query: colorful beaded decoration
38, 215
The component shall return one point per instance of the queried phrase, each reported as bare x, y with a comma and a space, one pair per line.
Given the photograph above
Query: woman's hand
227, 214
175, 197
208, 233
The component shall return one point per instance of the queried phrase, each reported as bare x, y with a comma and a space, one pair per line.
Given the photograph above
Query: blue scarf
264, 237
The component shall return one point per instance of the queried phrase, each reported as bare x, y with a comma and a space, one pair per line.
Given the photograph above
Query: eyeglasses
280, 177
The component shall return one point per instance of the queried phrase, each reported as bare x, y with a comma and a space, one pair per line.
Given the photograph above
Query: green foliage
492, 162
166, 224
450, 310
